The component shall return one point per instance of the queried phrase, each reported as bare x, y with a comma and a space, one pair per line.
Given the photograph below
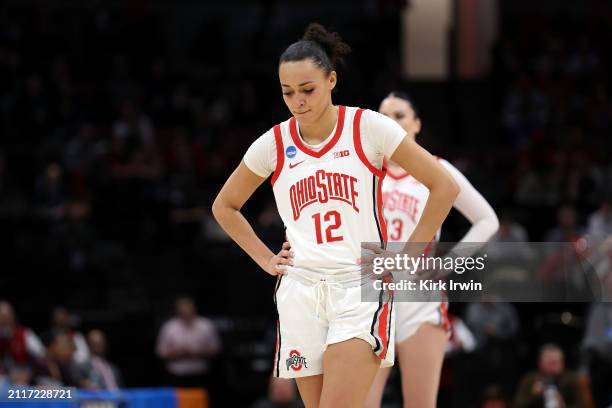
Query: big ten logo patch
341, 153
295, 361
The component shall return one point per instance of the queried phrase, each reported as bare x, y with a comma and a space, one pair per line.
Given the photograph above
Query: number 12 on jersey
333, 221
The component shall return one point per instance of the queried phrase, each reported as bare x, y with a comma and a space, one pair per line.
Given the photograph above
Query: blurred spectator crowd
60, 357
556, 113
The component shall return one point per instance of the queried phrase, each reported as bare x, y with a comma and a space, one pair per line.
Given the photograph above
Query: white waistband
310, 278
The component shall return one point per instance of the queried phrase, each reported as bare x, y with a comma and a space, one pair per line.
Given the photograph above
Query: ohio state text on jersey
322, 187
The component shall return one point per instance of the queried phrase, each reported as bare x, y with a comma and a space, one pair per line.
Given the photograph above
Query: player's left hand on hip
372, 259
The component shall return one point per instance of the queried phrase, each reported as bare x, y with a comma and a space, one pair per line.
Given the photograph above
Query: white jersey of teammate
404, 199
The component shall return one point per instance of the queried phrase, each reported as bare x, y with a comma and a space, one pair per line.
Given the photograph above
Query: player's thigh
310, 390
420, 358
301, 335
375, 395
350, 367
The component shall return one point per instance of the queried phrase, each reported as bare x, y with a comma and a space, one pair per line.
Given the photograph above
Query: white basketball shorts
411, 315
312, 316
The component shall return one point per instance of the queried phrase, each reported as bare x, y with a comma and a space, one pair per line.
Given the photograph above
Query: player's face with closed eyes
306, 89
401, 111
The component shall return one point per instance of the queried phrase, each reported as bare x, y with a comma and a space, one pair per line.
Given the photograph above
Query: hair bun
331, 42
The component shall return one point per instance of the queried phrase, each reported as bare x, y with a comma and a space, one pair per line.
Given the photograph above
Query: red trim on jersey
275, 373
444, 313
397, 176
280, 154
359, 148
298, 140
382, 330
394, 176
379, 208
276, 370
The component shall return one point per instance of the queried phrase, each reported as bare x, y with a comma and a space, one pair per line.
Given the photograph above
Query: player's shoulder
266, 138
372, 120
373, 114
366, 114
353, 108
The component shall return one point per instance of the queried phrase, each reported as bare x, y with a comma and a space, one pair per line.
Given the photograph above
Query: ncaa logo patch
290, 152
295, 361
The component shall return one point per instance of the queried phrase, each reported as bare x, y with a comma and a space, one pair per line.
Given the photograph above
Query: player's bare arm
238, 188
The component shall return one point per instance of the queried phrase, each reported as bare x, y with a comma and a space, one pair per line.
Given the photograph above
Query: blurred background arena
120, 120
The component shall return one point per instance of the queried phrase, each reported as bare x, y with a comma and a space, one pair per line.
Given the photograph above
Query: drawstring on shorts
319, 288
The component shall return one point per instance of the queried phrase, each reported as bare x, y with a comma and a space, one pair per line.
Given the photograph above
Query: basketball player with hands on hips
325, 164
421, 327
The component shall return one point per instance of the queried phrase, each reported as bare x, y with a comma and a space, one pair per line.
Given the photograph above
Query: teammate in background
421, 327
326, 167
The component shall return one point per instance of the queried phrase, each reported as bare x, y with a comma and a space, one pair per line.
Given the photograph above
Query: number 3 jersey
329, 200
404, 199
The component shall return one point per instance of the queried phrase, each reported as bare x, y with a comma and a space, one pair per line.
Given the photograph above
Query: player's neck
319, 130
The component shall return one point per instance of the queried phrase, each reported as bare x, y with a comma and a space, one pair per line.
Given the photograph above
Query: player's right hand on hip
277, 265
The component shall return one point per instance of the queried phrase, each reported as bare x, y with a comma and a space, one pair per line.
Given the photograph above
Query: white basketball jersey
330, 201
404, 199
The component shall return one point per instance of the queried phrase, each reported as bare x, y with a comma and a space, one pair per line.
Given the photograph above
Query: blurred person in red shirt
19, 346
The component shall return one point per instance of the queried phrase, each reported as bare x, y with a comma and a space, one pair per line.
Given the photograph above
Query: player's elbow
455, 190
219, 208
216, 208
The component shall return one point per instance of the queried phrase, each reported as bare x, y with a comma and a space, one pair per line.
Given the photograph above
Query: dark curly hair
326, 49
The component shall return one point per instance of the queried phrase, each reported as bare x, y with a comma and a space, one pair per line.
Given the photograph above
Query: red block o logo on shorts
295, 361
